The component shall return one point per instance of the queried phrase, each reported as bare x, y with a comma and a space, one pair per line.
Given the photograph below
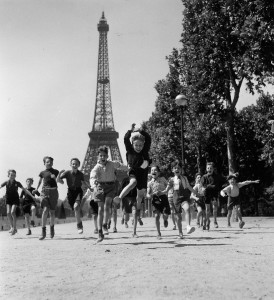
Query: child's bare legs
186, 208
9, 216
199, 216
135, 217
100, 214
178, 218
215, 210
52, 217
114, 214
13, 214
172, 211
33, 214
207, 214
27, 219
76, 208
229, 214
107, 212
128, 188
157, 222
95, 220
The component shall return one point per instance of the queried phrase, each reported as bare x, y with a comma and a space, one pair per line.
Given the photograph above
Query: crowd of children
105, 195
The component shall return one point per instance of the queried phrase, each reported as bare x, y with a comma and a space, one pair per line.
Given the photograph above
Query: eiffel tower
103, 132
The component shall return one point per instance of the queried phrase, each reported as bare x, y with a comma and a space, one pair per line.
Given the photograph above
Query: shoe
174, 227
140, 222
122, 221
204, 227
43, 234
165, 223
216, 225
126, 224
134, 235
229, 225
105, 229
52, 232
29, 232
190, 229
32, 223
208, 225
109, 223
10, 231
241, 224
159, 237
13, 231
96, 231
180, 236
114, 229
80, 228
100, 236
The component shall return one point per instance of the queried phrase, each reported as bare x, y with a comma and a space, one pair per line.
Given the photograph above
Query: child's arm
247, 182
225, 192
60, 177
39, 183
27, 192
86, 183
3, 184
94, 177
146, 145
169, 186
127, 138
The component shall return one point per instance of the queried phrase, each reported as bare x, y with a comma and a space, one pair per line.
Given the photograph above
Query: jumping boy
137, 153
29, 204
49, 195
103, 178
75, 179
233, 193
181, 197
12, 198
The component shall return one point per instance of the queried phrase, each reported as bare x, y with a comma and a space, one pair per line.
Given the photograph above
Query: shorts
12, 200
128, 203
73, 195
49, 198
179, 200
27, 207
233, 201
93, 207
201, 203
160, 204
140, 175
103, 190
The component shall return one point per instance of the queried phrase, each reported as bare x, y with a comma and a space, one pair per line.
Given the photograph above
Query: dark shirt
28, 198
12, 188
212, 184
134, 158
74, 180
46, 175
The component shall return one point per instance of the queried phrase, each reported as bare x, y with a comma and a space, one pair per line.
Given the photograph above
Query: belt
107, 182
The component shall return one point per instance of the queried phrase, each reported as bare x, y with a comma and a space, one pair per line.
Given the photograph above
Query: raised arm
60, 177
247, 182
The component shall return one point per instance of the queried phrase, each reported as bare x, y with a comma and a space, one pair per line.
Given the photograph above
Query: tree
226, 43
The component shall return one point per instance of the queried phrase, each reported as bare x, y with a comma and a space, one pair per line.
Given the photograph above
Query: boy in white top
233, 192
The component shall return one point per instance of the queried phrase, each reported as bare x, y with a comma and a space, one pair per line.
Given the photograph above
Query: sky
48, 72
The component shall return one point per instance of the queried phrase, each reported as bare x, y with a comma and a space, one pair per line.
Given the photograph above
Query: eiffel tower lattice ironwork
103, 132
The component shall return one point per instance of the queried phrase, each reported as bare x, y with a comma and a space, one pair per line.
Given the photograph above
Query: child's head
48, 162
138, 141
198, 177
29, 182
177, 168
210, 168
232, 178
11, 174
155, 171
103, 154
75, 163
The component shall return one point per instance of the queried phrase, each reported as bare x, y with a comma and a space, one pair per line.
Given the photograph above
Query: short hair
76, 160
47, 157
11, 171
210, 163
30, 179
177, 163
197, 174
138, 137
157, 167
103, 149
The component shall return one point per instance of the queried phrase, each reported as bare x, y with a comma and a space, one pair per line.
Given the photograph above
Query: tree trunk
230, 142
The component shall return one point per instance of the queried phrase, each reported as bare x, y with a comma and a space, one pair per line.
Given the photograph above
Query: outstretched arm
59, 178
247, 182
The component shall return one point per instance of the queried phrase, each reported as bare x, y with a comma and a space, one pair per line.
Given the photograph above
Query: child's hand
133, 126
256, 181
144, 165
223, 194
34, 192
62, 171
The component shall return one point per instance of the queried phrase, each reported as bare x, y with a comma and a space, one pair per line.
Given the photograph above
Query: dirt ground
224, 263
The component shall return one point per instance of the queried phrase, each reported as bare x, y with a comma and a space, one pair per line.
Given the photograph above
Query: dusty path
220, 264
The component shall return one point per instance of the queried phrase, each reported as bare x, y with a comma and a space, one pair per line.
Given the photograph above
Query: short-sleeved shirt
27, 197
12, 188
47, 180
74, 180
157, 185
176, 182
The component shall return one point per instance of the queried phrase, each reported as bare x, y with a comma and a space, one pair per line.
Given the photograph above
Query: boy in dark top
29, 204
212, 183
75, 179
138, 160
49, 195
12, 198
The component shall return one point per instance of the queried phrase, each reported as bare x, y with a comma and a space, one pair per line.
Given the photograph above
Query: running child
233, 193
49, 195
75, 179
29, 205
12, 198
199, 201
159, 198
137, 153
93, 208
181, 197
103, 178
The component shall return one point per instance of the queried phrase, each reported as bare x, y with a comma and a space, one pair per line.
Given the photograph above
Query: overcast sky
48, 71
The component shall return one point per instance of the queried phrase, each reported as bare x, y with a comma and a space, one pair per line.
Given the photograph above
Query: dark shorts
140, 175
74, 196
128, 203
93, 207
179, 198
103, 190
160, 204
49, 198
12, 200
210, 200
27, 207
233, 201
201, 203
